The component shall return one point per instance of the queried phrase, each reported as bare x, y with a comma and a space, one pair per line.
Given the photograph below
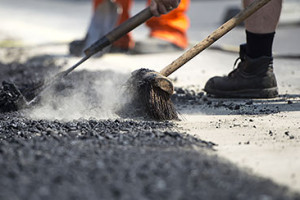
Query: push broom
153, 90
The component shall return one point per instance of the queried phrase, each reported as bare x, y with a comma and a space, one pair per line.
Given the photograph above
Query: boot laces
235, 67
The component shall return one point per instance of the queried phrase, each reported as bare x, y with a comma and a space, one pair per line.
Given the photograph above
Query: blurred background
54, 21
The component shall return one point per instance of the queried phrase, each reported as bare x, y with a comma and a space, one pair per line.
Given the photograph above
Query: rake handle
217, 34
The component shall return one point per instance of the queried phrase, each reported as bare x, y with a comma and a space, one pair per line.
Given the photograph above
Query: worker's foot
154, 45
253, 78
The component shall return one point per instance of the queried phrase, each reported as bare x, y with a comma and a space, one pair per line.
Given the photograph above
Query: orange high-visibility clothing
171, 27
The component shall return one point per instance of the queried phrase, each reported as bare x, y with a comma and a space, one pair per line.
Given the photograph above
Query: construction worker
167, 33
254, 76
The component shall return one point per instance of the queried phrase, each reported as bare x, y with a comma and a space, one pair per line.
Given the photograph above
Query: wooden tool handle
119, 31
217, 34
129, 25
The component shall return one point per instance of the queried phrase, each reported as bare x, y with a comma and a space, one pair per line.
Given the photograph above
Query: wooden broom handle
217, 34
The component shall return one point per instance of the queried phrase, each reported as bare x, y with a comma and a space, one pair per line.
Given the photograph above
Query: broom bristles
158, 103
155, 102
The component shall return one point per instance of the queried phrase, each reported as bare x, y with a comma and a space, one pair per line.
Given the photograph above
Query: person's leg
260, 29
96, 3
173, 26
106, 15
254, 75
168, 32
264, 20
126, 42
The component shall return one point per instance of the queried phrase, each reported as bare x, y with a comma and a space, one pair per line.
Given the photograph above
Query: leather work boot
253, 78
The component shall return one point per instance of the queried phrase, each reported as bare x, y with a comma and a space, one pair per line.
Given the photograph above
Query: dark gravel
112, 159
193, 96
90, 159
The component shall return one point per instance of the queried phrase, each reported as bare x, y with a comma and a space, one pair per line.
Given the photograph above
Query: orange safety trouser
171, 27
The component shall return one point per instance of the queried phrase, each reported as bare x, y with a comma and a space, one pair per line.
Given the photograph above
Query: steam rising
83, 95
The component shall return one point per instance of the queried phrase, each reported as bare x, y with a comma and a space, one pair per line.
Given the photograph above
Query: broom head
152, 93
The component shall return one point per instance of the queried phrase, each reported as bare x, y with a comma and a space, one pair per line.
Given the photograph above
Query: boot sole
250, 93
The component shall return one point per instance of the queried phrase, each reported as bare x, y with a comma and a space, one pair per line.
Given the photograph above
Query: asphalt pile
117, 159
111, 159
